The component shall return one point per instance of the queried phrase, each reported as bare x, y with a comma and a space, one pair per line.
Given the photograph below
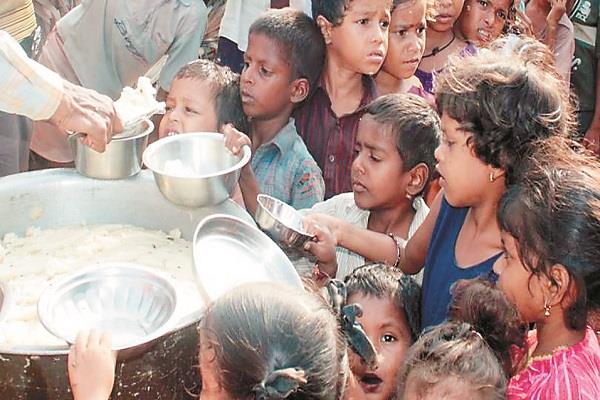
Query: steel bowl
281, 222
122, 157
195, 169
229, 252
129, 301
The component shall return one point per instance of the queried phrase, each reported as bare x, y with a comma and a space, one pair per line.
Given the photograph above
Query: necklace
438, 49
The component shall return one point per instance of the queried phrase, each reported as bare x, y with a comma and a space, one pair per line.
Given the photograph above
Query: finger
117, 123
105, 340
81, 342
94, 338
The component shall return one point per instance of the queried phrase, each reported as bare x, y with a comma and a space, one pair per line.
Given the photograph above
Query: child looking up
405, 48
283, 60
396, 138
550, 225
356, 37
203, 97
390, 318
442, 41
482, 21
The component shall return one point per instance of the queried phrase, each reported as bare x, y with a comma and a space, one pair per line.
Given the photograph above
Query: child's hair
481, 304
299, 39
226, 90
260, 332
554, 215
507, 98
332, 10
414, 124
453, 350
383, 281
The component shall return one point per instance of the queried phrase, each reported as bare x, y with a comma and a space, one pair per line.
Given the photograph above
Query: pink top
571, 373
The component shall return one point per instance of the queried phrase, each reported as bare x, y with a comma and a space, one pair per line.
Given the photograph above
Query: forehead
261, 47
192, 88
380, 310
408, 13
377, 7
369, 128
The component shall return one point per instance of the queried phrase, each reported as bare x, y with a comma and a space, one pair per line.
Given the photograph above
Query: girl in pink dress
550, 224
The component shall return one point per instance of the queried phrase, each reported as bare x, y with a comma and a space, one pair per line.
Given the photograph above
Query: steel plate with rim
131, 302
229, 252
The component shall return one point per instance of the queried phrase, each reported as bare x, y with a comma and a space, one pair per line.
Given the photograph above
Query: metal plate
129, 301
229, 252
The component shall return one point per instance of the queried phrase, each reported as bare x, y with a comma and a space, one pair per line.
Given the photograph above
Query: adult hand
91, 366
234, 139
559, 7
86, 111
591, 139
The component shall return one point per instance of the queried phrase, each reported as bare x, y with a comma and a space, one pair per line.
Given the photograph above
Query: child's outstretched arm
234, 141
91, 366
380, 247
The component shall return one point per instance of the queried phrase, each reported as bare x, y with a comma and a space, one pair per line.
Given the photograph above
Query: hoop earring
546, 309
492, 177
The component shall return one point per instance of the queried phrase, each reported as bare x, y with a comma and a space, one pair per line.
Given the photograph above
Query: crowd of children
355, 116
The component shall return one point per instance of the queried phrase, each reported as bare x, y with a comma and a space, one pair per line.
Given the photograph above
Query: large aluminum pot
52, 198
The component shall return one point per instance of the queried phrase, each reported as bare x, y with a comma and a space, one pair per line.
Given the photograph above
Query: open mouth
370, 382
484, 35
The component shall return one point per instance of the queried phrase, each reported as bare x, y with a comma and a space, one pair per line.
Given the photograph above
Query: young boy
204, 96
283, 60
356, 38
394, 158
390, 302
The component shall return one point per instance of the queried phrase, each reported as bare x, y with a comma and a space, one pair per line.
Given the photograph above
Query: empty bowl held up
229, 252
132, 303
281, 222
195, 169
122, 157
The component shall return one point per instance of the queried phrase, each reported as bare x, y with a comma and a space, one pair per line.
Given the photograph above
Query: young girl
259, 341
442, 41
405, 49
482, 21
396, 138
494, 106
468, 357
550, 225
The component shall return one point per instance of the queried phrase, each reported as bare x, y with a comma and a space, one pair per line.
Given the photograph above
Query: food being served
28, 263
139, 103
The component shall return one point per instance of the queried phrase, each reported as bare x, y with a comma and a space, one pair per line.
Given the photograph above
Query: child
283, 60
482, 21
442, 41
204, 96
390, 318
258, 341
396, 138
550, 225
356, 37
494, 106
405, 49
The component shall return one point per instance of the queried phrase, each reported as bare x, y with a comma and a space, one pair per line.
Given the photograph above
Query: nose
489, 17
415, 45
443, 4
246, 75
357, 165
438, 153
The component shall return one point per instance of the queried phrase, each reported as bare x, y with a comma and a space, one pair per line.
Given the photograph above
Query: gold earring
546, 309
468, 7
492, 177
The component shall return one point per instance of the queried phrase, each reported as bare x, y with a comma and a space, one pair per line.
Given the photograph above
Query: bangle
398, 241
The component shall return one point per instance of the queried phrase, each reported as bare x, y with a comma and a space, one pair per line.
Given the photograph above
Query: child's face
483, 20
388, 329
463, 175
407, 39
359, 43
265, 85
446, 12
378, 176
521, 287
450, 388
189, 108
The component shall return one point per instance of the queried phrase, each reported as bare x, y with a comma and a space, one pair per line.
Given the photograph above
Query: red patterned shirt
329, 138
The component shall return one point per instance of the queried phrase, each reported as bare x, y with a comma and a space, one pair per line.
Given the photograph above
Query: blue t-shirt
441, 270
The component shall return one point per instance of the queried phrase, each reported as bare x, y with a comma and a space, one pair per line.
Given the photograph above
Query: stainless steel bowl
130, 302
195, 169
122, 157
229, 252
281, 222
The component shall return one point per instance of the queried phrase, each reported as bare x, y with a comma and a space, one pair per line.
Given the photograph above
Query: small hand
559, 7
234, 139
333, 224
323, 248
91, 366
